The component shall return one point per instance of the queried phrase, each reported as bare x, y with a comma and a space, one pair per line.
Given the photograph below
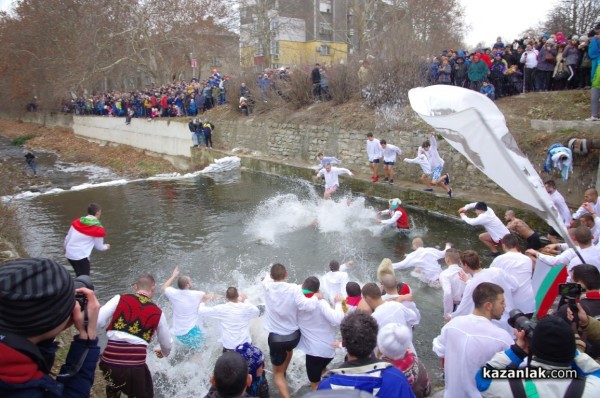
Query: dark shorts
315, 367
533, 242
374, 161
389, 163
553, 232
280, 345
134, 381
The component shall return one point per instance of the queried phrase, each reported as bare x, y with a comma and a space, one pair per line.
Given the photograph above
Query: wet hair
587, 217
382, 142
426, 144
352, 289
583, 234
486, 292
453, 255
183, 281
311, 283
278, 272
145, 282
510, 241
93, 208
588, 274
359, 334
231, 375
371, 290
334, 265
231, 293
470, 258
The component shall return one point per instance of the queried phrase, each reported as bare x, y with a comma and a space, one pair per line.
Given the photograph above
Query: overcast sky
488, 20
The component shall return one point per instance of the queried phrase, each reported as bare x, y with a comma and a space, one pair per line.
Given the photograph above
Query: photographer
37, 301
551, 344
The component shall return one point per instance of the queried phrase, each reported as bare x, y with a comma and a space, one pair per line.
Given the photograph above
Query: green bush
20, 141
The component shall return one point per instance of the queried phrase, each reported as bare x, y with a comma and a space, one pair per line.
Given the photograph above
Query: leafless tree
572, 17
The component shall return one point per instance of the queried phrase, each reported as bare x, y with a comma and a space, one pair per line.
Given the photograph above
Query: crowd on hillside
551, 62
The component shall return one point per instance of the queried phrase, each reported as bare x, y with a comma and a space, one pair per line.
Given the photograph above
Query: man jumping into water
331, 178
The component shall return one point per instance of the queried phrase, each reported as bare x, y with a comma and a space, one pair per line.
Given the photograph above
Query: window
258, 50
325, 6
325, 50
274, 47
325, 28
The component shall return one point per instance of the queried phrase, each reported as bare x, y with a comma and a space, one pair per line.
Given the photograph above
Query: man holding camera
38, 301
551, 344
132, 321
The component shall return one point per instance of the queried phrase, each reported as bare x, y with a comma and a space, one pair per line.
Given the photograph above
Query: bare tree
572, 17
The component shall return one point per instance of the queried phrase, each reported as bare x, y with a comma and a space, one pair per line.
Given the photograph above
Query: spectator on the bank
561, 73
585, 65
460, 71
571, 56
324, 86
499, 44
444, 72
529, 59
315, 77
488, 90
244, 91
545, 66
222, 91
515, 80
497, 70
477, 72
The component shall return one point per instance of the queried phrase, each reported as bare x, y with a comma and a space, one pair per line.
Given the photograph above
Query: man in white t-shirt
334, 282
451, 282
390, 152
467, 342
425, 260
319, 327
374, 152
185, 303
331, 175
234, 317
494, 229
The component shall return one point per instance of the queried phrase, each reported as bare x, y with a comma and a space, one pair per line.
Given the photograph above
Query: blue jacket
76, 386
370, 374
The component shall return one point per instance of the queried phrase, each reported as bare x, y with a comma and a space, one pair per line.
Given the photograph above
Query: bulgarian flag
89, 226
545, 283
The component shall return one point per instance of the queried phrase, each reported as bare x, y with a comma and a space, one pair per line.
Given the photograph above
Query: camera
79, 282
518, 320
570, 290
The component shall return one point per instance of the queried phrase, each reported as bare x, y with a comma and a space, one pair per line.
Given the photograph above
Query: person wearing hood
545, 66
477, 72
460, 69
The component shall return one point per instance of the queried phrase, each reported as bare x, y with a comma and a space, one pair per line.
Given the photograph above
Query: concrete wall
165, 137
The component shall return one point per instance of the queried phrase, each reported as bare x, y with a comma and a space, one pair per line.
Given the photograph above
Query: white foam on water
96, 172
93, 172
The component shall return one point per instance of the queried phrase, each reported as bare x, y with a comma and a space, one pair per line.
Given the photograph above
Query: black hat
36, 296
553, 341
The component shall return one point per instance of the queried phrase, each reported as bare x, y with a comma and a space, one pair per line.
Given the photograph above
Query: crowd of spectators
551, 62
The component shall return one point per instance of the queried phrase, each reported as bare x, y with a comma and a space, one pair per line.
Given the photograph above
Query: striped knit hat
36, 295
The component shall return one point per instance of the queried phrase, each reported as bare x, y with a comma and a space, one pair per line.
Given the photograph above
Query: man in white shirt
387, 311
486, 217
425, 260
318, 328
374, 152
559, 202
185, 302
591, 199
389, 160
234, 318
520, 267
332, 182
589, 252
282, 302
437, 166
592, 221
451, 282
471, 265
132, 320
530, 59
85, 234
334, 282
467, 342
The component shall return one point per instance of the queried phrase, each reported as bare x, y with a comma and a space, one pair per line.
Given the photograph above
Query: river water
225, 230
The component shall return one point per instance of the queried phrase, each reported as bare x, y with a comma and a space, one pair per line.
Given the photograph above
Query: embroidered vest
137, 315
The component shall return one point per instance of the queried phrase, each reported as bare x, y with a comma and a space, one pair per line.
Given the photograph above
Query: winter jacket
544, 65
571, 55
477, 71
460, 71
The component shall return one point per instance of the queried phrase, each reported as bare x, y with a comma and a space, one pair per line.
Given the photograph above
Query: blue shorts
374, 161
437, 172
194, 338
389, 163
